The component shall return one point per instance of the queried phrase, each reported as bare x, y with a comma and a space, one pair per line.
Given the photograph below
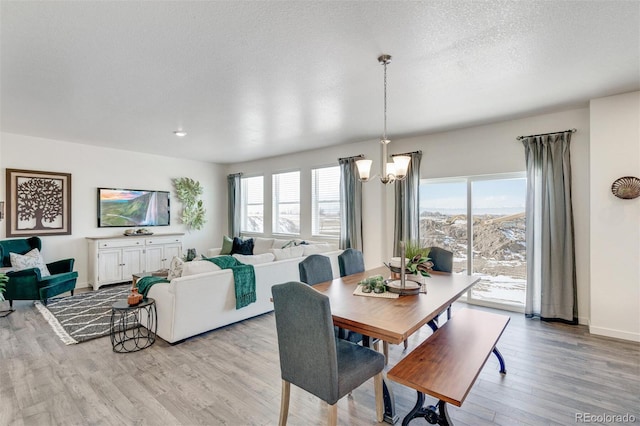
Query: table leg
432, 414
390, 415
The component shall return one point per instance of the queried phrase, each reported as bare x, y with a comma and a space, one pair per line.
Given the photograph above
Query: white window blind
286, 203
252, 204
325, 199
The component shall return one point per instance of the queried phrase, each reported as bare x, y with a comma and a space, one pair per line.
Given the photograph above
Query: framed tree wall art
38, 203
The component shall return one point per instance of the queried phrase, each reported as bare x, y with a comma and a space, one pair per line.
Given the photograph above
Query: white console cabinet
116, 259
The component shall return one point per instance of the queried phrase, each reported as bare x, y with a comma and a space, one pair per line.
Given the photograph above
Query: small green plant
413, 248
419, 261
4, 279
193, 211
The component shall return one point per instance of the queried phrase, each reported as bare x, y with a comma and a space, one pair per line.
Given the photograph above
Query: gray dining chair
351, 262
315, 269
311, 358
442, 259
442, 262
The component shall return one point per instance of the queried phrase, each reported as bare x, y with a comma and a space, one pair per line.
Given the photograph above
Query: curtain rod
544, 134
408, 153
349, 158
235, 174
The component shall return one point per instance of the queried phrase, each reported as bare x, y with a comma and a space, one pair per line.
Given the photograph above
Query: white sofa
194, 304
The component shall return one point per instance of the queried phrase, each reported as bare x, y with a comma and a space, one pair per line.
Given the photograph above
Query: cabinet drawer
120, 243
162, 240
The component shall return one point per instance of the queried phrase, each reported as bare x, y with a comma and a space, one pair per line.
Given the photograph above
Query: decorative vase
134, 298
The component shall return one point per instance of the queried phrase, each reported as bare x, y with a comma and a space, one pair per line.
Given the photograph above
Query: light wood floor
231, 376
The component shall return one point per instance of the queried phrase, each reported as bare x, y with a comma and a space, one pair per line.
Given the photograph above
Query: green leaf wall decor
193, 211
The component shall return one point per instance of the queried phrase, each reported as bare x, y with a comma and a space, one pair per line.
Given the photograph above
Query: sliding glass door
496, 250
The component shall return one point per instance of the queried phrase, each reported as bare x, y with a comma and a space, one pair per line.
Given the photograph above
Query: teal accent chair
28, 284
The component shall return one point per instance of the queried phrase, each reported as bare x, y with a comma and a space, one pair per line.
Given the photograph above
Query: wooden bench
447, 364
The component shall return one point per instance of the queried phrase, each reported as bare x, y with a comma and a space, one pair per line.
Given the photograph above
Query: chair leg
10, 304
377, 383
385, 351
333, 414
284, 403
406, 344
72, 292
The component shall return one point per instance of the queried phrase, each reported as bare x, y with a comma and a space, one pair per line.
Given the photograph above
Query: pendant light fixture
391, 171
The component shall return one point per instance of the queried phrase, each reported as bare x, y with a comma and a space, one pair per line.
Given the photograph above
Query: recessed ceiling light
180, 133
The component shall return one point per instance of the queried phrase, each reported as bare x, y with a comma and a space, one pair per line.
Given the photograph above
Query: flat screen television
132, 207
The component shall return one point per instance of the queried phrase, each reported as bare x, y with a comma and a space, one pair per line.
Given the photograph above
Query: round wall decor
627, 187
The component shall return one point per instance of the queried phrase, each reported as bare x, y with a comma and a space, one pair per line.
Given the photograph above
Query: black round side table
133, 328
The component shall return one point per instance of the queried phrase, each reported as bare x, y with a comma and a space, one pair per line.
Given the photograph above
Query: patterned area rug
86, 316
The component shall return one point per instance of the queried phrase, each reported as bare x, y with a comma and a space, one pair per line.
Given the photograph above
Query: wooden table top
391, 320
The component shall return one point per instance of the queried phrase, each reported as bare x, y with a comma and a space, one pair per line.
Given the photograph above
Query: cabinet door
154, 257
109, 265
171, 251
132, 261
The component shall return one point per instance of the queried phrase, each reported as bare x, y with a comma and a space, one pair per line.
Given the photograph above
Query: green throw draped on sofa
244, 278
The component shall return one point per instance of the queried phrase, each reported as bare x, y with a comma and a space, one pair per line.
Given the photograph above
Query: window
497, 252
252, 204
286, 203
325, 201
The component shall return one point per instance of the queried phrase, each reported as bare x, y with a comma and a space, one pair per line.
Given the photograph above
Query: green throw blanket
244, 277
144, 284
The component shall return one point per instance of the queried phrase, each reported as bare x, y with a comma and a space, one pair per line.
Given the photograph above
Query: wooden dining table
392, 320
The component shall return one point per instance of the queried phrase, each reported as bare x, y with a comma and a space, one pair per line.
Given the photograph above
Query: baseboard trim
617, 334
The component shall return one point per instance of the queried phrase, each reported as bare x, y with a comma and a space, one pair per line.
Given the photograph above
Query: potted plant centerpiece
419, 263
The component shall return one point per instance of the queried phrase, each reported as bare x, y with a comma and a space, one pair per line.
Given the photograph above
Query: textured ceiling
248, 79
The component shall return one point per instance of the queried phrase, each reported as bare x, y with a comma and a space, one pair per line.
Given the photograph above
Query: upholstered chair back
351, 262
315, 269
18, 245
307, 345
442, 259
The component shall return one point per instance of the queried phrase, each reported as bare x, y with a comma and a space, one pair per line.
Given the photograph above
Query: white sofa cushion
288, 253
255, 259
278, 244
316, 248
198, 267
262, 245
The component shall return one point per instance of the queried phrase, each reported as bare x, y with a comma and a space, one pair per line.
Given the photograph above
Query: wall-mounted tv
132, 207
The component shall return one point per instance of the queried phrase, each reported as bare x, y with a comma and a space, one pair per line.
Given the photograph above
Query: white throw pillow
32, 259
316, 248
255, 259
198, 267
175, 268
288, 253
278, 244
262, 245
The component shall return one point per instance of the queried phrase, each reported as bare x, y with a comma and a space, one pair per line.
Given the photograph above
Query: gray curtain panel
234, 185
350, 204
551, 271
407, 205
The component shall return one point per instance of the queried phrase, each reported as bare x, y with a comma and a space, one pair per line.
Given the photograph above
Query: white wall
92, 167
615, 223
478, 150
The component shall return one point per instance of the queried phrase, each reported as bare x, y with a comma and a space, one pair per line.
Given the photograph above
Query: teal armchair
28, 284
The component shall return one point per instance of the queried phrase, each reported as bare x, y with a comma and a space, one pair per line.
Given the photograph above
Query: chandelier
391, 171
